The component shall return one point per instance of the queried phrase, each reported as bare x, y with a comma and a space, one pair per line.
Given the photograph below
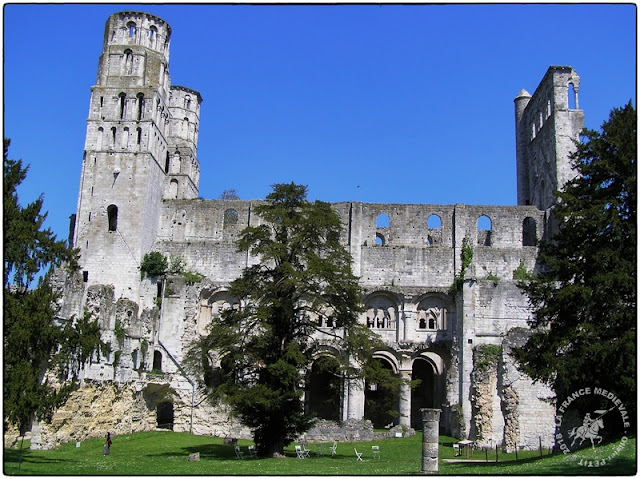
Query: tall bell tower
140, 147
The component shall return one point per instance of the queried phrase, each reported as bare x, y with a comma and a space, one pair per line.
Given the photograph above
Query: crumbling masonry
139, 193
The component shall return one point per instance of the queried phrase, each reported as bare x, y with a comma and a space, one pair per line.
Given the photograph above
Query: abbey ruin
139, 193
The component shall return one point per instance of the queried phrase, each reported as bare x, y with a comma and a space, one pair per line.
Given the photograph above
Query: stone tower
547, 124
140, 148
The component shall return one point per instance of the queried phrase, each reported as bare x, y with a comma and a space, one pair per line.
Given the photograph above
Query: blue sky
375, 103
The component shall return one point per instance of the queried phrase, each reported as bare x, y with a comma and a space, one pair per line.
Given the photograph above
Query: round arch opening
423, 395
323, 388
381, 402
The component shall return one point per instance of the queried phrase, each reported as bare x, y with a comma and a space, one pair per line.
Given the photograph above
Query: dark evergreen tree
303, 278
37, 348
584, 297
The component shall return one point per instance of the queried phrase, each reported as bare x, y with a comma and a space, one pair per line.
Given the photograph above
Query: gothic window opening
529, 234
167, 162
113, 136
139, 139
112, 217
140, 97
382, 221
132, 28
434, 222
484, 231
173, 189
157, 361
125, 138
99, 138
230, 217
573, 97
434, 228
380, 239
128, 62
123, 104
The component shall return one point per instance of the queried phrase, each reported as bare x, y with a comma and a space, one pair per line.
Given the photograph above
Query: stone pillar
430, 429
355, 401
405, 399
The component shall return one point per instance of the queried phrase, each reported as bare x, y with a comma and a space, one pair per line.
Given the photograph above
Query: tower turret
182, 167
547, 124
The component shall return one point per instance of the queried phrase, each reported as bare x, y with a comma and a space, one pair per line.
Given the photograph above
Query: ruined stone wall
101, 407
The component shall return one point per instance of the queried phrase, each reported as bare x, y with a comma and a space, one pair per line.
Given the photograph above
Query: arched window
99, 139
484, 230
230, 217
128, 62
123, 104
140, 97
112, 217
434, 222
572, 97
157, 361
139, 140
113, 136
529, 234
380, 239
173, 189
382, 221
187, 102
131, 26
167, 163
125, 138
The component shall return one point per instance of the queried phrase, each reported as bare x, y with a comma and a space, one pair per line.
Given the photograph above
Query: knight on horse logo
590, 428
570, 435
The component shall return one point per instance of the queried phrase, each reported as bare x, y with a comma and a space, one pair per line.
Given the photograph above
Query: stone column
355, 402
405, 399
430, 429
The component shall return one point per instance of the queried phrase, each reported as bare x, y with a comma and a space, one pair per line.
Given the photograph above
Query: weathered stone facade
138, 193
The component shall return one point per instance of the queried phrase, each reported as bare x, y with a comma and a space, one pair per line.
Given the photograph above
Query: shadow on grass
214, 451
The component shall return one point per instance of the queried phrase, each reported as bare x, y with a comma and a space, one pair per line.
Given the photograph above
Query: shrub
153, 264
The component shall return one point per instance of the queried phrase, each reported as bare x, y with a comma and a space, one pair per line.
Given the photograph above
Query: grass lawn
165, 453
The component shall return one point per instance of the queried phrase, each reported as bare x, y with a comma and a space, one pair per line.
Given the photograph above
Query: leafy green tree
584, 297
303, 277
42, 356
153, 264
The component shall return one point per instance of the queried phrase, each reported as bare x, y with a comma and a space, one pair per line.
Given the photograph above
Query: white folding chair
375, 451
358, 455
333, 448
456, 449
239, 453
252, 451
300, 452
